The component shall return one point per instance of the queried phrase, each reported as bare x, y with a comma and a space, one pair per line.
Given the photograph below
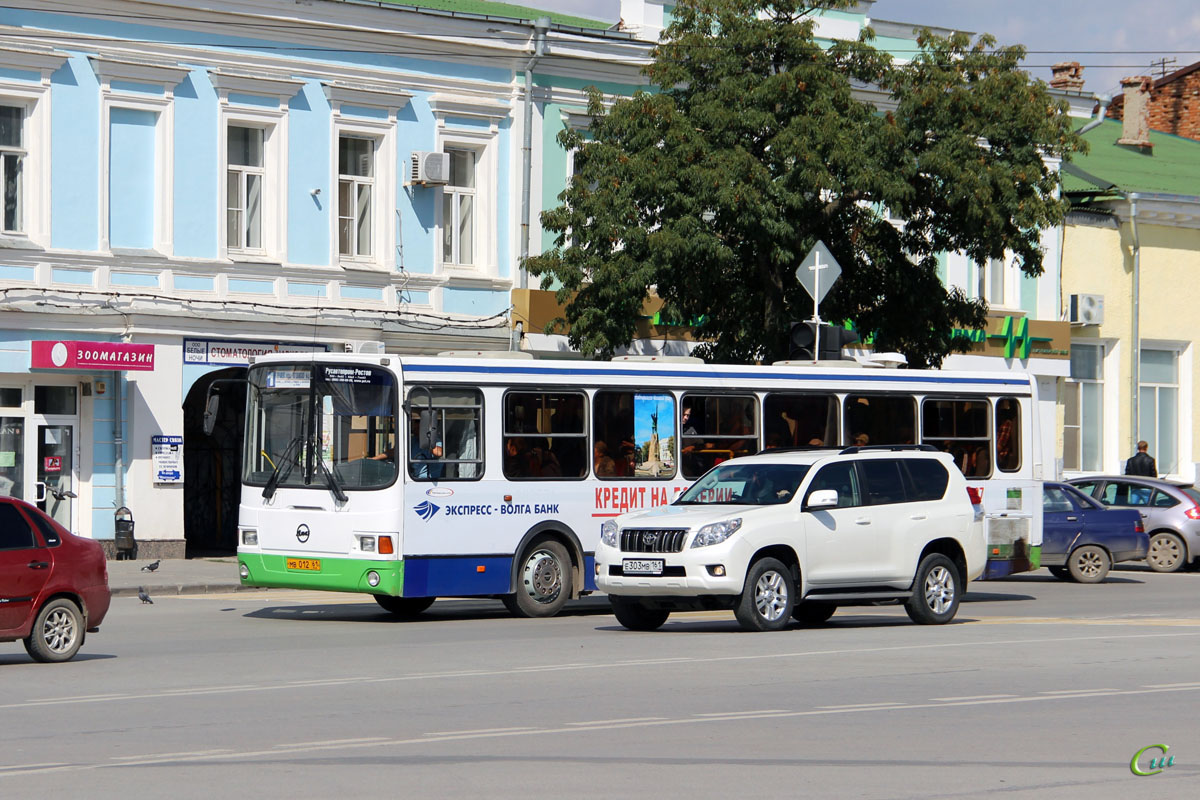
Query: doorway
212, 465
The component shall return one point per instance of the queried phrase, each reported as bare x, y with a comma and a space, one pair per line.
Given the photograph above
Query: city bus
410, 478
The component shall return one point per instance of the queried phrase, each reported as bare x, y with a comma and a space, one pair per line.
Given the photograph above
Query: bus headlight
716, 533
249, 537
366, 544
608, 532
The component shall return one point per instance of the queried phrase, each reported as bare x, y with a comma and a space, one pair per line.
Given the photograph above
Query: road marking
602, 665
739, 713
880, 704
1172, 685
217, 751
1076, 691
615, 721
479, 731
495, 733
972, 697
327, 742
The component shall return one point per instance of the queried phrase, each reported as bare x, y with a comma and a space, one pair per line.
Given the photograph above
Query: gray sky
1110, 38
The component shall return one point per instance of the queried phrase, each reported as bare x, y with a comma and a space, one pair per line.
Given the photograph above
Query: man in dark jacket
1141, 463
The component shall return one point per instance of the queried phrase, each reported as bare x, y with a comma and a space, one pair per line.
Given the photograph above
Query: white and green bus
416, 477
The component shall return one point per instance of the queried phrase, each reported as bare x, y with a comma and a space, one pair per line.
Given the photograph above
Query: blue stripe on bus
459, 576
874, 377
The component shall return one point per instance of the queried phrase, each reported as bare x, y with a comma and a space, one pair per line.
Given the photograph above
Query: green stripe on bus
335, 574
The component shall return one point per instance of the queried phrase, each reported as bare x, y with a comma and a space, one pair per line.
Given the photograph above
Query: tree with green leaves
758, 141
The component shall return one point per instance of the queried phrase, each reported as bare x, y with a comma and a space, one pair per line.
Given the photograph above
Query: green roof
1172, 167
486, 8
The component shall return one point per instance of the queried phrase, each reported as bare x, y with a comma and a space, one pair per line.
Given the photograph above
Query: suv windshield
321, 426
745, 484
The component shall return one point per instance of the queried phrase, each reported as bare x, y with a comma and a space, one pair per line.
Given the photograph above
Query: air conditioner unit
430, 168
1086, 309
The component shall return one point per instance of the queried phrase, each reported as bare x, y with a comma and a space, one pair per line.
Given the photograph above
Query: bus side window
799, 420
633, 435
715, 428
1008, 434
455, 423
880, 419
544, 435
959, 427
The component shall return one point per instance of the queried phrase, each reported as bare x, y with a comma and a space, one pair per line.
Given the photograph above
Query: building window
12, 166
458, 209
356, 197
244, 179
1158, 407
1083, 409
992, 282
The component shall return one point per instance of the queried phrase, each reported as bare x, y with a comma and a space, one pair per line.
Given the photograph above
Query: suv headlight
608, 532
716, 533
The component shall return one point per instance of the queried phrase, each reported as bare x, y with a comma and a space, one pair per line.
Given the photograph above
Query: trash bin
124, 543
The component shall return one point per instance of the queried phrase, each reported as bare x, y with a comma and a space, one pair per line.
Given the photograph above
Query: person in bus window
425, 462
602, 462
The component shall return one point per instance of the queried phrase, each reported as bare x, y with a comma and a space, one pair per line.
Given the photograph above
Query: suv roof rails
887, 448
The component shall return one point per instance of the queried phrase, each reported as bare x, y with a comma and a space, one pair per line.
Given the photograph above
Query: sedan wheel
1089, 564
57, 633
1166, 552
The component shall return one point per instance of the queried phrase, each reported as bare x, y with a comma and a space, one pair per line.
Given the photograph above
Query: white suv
796, 534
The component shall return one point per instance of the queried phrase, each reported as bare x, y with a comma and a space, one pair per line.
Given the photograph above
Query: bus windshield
746, 484
321, 426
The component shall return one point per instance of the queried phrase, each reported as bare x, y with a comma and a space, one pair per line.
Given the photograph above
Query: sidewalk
175, 576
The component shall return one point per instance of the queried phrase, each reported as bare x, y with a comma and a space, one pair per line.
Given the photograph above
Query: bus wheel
403, 606
637, 617
543, 583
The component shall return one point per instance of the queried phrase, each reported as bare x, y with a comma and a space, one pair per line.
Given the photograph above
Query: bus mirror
428, 434
210, 413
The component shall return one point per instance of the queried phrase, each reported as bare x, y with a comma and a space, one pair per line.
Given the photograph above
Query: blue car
1082, 539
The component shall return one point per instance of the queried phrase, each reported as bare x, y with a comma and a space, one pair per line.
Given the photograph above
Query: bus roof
506, 371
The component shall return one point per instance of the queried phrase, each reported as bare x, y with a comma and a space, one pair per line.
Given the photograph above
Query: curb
182, 588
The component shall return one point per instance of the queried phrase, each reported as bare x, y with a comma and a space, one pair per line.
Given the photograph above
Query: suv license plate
650, 566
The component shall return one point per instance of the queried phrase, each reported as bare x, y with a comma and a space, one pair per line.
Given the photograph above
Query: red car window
50, 534
15, 533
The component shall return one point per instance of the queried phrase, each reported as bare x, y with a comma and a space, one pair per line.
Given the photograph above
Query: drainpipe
1136, 377
1105, 101
119, 441
540, 26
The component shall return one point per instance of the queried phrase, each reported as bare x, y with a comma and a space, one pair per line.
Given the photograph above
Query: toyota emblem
650, 537
302, 534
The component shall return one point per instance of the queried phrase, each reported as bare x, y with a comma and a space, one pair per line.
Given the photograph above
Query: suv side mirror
822, 498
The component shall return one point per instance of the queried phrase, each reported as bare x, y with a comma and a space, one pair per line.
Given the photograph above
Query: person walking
1142, 463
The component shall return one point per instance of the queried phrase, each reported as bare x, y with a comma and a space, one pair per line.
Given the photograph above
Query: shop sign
166, 457
91, 355
231, 353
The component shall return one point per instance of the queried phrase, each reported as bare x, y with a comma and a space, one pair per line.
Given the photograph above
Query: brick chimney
1135, 124
1066, 75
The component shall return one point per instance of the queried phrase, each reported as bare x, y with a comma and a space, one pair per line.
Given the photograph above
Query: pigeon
153, 565
145, 598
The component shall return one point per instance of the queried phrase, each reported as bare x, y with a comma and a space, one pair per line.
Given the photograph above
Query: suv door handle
39, 564
919, 516
863, 521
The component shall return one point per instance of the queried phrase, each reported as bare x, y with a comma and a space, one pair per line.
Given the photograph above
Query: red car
53, 584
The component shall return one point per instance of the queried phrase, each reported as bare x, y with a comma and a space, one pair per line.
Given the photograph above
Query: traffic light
802, 338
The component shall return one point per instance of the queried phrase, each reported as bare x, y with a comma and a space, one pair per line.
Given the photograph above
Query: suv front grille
636, 540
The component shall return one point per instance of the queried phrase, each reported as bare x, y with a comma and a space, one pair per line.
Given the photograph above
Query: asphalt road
1040, 689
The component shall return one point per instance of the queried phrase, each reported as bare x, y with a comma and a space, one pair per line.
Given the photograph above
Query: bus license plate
650, 566
309, 564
